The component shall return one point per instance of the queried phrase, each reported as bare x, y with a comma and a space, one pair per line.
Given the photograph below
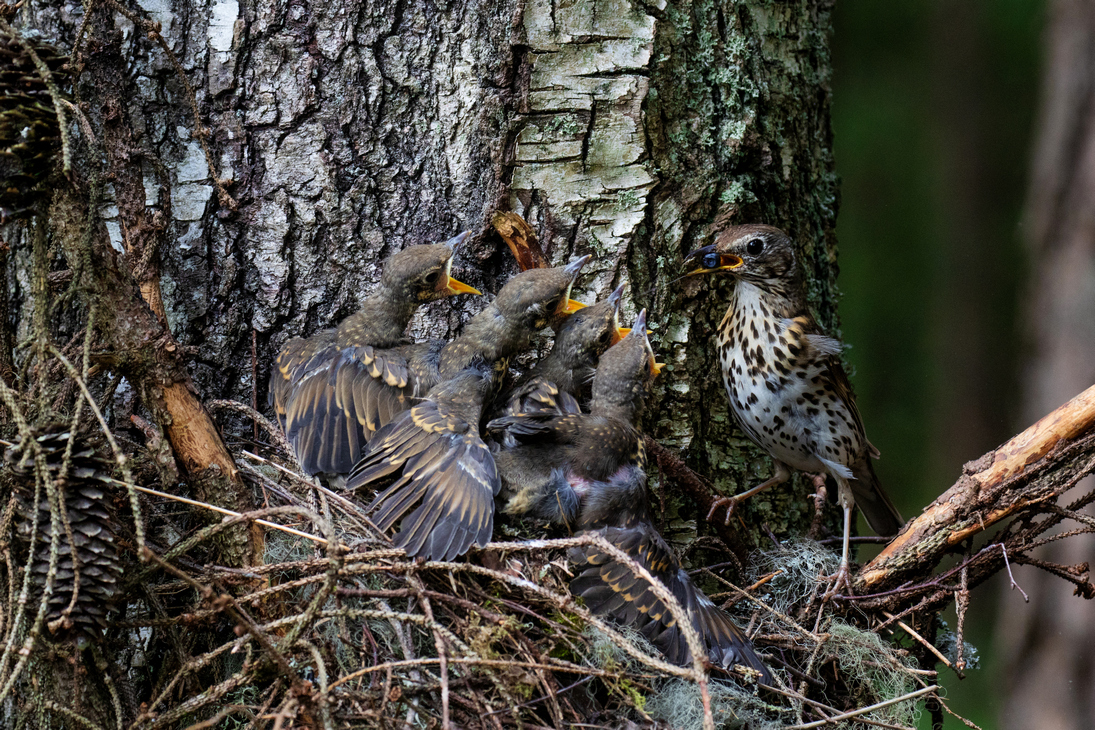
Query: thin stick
764, 606
349, 506
961, 603
504, 663
1011, 577
277, 466
909, 630
223, 511
958, 717
821, 706
864, 710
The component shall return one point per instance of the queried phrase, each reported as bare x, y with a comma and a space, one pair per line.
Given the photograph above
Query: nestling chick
552, 388
588, 471
323, 388
549, 453
436, 447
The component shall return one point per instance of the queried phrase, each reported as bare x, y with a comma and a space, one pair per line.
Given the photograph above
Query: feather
337, 400
614, 589
445, 468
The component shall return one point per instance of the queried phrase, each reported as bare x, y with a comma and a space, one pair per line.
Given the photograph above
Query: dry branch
1025, 474
132, 336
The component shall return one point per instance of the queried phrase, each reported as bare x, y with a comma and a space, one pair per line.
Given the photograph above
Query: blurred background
966, 146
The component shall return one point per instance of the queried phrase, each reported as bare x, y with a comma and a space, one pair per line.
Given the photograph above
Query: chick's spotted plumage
783, 377
333, 390
587, 471
435, 448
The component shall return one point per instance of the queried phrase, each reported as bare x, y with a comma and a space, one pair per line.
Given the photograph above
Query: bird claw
731, 505
841, 579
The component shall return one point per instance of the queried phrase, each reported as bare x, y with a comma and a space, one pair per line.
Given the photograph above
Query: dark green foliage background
933, 106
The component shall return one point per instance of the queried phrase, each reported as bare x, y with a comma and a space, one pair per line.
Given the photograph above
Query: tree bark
1046, 646
350, 130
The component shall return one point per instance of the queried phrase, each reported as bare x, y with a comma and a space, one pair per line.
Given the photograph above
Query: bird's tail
611, 588
880, 512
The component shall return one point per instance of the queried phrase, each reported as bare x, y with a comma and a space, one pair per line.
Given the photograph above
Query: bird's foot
731, 504
840, 582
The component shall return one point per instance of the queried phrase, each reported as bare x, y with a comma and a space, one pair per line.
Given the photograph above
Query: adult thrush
591, 470
787, 389
333, 390
435, 446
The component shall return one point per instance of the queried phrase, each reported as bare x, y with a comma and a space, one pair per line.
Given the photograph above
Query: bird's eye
754, 247
604, 337
711, 261
554, 304
433, 276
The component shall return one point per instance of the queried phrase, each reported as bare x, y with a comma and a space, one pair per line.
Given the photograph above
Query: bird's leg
842, 578
782, 474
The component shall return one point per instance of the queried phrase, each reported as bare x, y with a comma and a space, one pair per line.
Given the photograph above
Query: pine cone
84, 490
29, 134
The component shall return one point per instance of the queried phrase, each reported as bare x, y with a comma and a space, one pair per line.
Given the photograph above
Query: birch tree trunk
1047, 646
346, 131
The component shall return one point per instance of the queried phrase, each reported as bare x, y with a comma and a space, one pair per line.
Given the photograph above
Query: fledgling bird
442, 462
787, 388
435, 446
333, 390
566, 372
554, 386
591, 469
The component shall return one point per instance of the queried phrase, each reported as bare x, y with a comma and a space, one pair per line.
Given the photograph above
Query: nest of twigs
336, 629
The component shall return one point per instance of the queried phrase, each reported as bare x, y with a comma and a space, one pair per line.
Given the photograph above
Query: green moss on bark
737, 119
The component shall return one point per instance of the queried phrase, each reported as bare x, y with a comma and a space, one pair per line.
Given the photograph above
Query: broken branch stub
521, 239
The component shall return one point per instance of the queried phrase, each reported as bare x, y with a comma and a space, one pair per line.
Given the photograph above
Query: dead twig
521, 239
864, 710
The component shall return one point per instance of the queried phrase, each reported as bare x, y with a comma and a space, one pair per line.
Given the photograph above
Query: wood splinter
521, 239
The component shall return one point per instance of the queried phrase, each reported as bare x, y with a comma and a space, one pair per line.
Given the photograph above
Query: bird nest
335, 628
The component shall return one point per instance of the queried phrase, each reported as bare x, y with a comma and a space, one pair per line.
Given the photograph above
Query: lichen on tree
240, 171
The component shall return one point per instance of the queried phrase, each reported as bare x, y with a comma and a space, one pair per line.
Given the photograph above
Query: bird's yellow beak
622, 332
711, 261
656, 367
452, 287
572, 306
